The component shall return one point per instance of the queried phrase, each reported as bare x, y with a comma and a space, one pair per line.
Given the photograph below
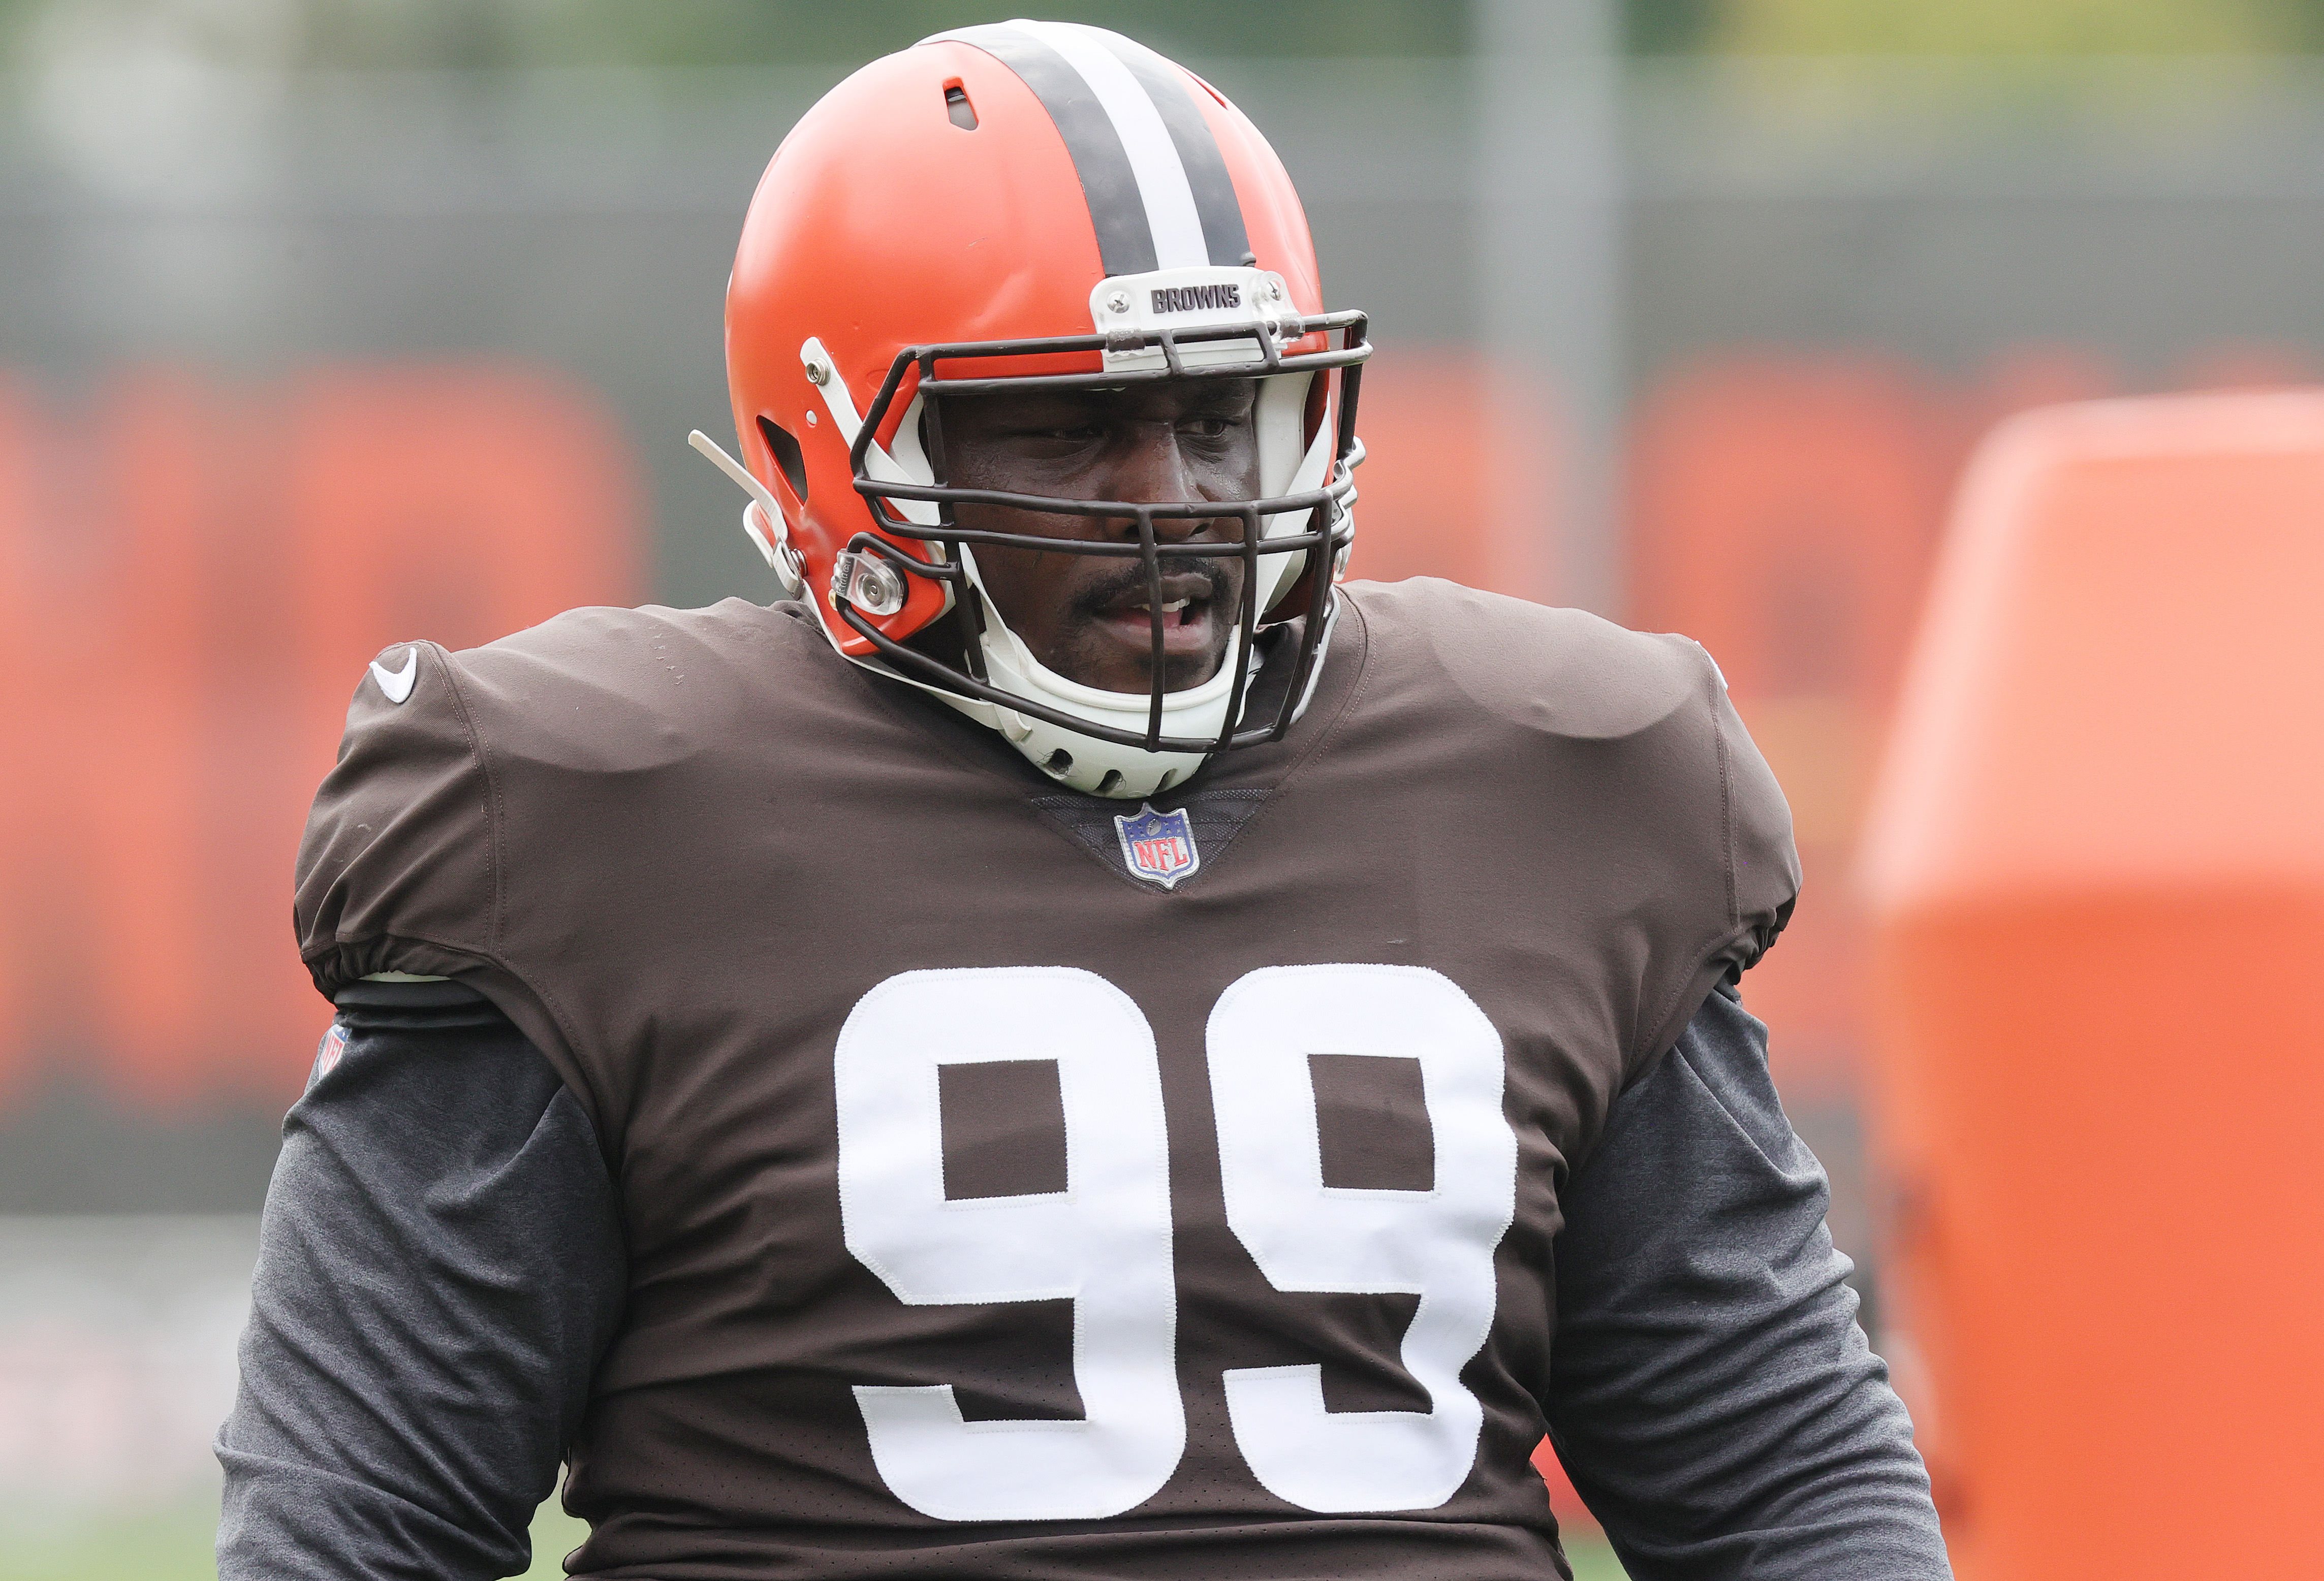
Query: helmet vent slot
1059, 762
956, 106
1112, 777
787, 455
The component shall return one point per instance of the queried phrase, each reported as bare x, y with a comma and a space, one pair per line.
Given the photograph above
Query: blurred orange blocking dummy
2095, 868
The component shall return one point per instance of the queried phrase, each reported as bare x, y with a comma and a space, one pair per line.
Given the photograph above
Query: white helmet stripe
1169, 198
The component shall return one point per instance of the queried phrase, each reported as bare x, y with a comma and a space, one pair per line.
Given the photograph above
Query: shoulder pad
395, 872
1558, 671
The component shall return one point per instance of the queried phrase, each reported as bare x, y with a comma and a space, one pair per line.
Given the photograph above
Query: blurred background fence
326, 324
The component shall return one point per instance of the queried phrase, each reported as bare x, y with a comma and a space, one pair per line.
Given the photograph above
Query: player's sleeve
404, 867
1712, 1395
440, 1268
400, 869
1725, 819
1763, 863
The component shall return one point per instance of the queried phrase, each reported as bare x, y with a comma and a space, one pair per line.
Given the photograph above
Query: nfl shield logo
1159, 847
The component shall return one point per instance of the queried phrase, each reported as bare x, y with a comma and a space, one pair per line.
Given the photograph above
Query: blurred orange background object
191, 580
2095, 869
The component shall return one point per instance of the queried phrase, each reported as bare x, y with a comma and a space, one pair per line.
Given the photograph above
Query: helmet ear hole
787, 455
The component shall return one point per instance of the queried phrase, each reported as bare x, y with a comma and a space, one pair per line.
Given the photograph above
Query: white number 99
1105, 1241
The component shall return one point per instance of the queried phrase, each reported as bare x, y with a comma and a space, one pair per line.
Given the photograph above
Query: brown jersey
1024, 1184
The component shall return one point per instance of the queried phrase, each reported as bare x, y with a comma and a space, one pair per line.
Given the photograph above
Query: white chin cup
1088, 763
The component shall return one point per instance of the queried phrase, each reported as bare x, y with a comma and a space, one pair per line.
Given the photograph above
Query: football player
1073, 1045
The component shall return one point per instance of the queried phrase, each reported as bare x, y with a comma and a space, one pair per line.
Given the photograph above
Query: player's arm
1713, 1398
440, 1267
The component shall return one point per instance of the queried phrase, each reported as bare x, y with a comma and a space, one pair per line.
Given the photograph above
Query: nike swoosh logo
397, 683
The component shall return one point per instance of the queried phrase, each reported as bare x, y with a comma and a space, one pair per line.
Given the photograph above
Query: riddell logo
1193, 298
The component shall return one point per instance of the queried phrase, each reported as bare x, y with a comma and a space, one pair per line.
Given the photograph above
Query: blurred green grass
555, 1534
174, 1545
1594, 1561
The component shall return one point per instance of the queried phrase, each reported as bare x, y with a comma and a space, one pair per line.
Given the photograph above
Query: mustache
1103, 595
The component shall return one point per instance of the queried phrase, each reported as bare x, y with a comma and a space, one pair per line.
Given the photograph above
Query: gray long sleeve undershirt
1710, 1393
441, 1268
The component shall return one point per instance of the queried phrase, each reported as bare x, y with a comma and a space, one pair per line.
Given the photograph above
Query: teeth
1170, 608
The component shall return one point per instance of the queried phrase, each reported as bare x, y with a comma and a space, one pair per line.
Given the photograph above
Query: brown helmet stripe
1117, 208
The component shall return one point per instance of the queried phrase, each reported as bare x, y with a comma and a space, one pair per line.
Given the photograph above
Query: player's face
1086, 616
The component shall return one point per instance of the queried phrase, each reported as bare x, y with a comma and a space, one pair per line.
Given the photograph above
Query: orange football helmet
1055, 204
